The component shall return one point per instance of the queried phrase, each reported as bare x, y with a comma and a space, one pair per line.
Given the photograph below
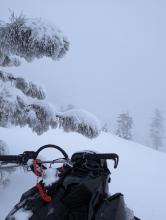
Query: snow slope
140, 175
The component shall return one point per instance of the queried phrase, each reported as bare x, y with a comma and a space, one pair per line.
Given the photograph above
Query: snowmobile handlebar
18, 159
106, 156
10, 158
22, 159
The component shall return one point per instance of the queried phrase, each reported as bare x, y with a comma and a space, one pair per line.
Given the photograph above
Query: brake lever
115, 158
106, 156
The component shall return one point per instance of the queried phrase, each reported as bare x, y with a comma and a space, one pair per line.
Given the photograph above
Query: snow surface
140, 175
23, 215
41, 28
50, 176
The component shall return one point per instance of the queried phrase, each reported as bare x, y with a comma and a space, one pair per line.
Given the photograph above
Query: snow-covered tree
30, 39
157, 129
4, 173
23, 102
106, 127
124, 126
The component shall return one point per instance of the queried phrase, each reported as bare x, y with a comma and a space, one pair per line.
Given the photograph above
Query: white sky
116, 60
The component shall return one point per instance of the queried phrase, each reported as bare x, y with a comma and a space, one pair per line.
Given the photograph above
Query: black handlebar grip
101, 156
10, 158
106, 156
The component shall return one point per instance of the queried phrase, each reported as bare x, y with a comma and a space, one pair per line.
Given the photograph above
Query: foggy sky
116, 60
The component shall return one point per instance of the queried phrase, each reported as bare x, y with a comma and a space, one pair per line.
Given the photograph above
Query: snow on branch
80, 121
6, 60
19, 110
41, 116
28, 88
30, 39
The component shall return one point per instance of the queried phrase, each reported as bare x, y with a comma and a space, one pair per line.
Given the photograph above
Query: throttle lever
115, 158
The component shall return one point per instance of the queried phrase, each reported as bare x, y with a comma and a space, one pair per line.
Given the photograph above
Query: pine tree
3, 150
125, 123
23, 102
106, 127
4, 180
30, 39
157, 129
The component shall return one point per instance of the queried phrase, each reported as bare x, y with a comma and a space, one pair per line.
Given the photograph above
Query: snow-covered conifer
5, 172
29, 39
106, 127
124, 128
23, 102
80, 121
157, 129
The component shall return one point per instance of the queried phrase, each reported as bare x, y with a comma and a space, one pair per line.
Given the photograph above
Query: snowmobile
78, 190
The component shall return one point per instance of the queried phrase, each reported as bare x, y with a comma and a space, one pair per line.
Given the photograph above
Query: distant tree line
124, 128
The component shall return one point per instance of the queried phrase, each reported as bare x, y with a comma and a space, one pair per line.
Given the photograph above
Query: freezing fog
116, 61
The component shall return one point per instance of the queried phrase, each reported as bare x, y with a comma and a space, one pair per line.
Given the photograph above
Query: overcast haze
116, 60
